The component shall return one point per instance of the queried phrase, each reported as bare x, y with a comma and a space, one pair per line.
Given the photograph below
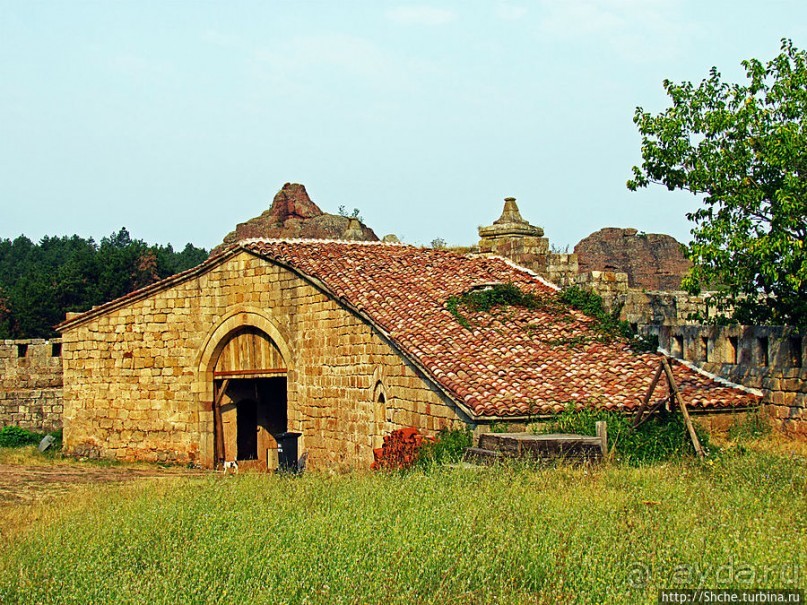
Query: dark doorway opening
247, 433
273, 405
253, 410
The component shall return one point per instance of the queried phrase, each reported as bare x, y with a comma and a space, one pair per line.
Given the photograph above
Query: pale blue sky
180, 119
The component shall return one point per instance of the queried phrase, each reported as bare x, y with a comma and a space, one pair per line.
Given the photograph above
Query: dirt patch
21, 484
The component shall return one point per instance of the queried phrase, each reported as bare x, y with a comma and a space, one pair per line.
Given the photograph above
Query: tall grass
610, 534
660, 438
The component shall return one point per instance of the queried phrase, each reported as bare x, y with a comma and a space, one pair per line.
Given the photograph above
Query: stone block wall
561, 269
31, 384
642, 307
768, 358
662, 308
138, 378
528, 251
612, 286
605, 283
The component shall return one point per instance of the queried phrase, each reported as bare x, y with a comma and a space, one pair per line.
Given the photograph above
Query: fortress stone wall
768, 358
31, 384
643, 307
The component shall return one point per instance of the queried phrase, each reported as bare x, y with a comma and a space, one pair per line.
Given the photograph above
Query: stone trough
494, 447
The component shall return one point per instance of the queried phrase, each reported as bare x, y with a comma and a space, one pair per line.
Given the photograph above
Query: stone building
342, 342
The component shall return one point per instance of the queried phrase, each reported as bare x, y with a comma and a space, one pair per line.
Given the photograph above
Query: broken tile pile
400, 449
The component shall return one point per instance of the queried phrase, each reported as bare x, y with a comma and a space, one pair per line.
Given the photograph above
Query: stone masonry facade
139, 376
771, 359
643, 307
31, 384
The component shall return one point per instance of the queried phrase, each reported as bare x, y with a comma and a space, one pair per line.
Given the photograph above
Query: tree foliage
743, 147
39, 283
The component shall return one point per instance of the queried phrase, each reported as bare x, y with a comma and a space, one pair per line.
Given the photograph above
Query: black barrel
287, 452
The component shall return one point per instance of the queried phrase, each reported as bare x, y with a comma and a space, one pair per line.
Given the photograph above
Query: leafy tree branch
743, 148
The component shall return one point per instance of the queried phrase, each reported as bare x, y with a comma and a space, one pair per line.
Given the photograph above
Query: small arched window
379, 415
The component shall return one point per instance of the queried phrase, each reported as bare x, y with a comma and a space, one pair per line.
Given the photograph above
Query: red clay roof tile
513, 361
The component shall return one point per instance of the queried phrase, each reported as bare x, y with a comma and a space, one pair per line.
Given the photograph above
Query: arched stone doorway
248, 373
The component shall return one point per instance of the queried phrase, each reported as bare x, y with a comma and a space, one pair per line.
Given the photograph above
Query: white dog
231, 465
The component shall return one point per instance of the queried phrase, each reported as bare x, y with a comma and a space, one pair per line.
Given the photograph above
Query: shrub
500, 295
448, 447
14, 436
406, 448
663, 437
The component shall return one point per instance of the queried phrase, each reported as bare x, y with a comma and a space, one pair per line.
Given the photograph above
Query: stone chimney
512, 237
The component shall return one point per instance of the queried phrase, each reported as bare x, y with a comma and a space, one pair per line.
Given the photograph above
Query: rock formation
294, 215
652, 260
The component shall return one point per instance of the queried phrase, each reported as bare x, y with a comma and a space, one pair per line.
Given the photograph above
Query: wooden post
637, 420
677, 395
218, 428
602, 433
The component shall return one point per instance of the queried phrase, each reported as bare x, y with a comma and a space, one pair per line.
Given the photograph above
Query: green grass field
607, 534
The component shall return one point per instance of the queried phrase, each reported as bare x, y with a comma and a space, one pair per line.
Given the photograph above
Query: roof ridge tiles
711, 376
529, 272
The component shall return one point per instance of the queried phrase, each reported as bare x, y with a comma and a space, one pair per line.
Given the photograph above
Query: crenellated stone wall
31, 384
139, 378
768, 358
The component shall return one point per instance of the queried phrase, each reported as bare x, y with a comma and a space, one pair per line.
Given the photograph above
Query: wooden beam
650, 411
218, 428
676, 393
637, 420
234, 373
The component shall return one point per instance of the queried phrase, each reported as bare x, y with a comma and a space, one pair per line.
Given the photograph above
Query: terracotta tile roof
513, 361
